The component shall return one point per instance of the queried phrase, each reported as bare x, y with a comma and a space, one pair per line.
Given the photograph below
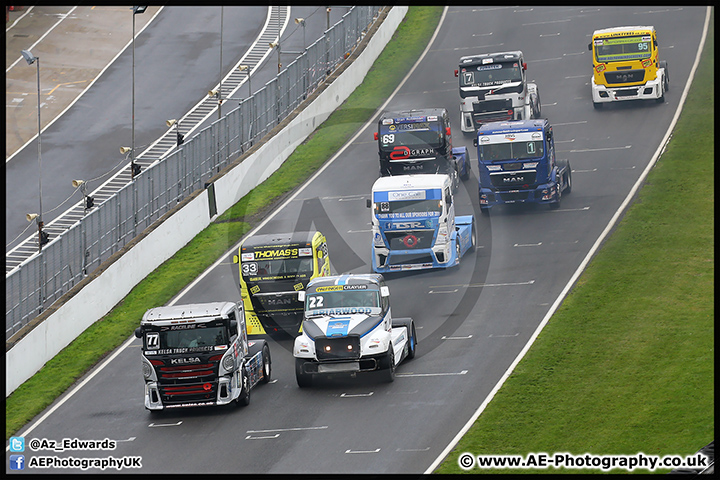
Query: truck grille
338, 348
625, 76
514, 196
401, 259
626, 92
410, 240
493, 106
188, 383
514, 179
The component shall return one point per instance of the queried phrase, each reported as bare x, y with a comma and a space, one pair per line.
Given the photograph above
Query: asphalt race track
472, 320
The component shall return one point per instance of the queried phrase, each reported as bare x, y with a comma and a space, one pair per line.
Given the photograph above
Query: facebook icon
17, 462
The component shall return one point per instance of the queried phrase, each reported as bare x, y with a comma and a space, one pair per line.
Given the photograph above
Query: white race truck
414, 225
199, 355
494, 88
348, 328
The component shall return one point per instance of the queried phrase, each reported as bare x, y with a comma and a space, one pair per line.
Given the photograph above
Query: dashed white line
448, 374
362, 451
165, 424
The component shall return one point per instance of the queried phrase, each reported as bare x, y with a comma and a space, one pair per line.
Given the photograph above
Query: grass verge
158, 288
626, 364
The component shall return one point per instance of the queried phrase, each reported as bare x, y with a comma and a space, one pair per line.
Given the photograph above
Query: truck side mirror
138, 332
236, 259
524, 66
384, 291
590, 46
375, 136
447, 131
301, 295
456, 72
475, 142
368, 203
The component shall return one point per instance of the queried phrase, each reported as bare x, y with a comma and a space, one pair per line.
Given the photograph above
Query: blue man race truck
414, 225
516, 164
420, 141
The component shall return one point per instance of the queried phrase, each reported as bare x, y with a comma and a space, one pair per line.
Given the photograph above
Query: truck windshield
408, 206
512, 150
609, 50
489, 75
285, 268
190, 338
343, 298
417, 134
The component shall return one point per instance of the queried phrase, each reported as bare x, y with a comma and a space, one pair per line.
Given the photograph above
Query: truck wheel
304, 380
473, 237
665, 83
412, 341
556, 205
389, 372
597, 105
244, 398
409, 326
568, 180
666, 77
485, 211
466, 171
457, 249
267, 364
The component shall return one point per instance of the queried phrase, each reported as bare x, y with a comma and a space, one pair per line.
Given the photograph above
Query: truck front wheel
388, 373
267, 364
244, 398
304, 380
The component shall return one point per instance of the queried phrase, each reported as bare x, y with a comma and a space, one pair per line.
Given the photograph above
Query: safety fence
62, 263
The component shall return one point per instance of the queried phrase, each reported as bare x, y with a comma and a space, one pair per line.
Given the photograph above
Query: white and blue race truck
348, 328
199, 355
414, 225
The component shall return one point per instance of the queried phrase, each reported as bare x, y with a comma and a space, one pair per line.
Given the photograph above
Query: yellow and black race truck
626, 65
273, 269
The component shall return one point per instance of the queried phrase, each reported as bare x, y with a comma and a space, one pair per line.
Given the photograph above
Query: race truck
420, 141
348, 329
414, 225
626, 65
516, 164
273, 268
198, 355
494, 87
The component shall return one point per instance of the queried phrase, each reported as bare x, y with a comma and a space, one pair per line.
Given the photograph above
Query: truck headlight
147, 370
377, 238
442, 236
227, 363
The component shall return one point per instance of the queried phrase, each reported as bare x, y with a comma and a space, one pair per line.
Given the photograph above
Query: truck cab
348, 329
626, 65
414, 225
420, 141
517, 164
199, 355
273, 269
494, 87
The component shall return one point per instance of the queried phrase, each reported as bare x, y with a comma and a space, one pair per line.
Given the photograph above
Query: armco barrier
97, 294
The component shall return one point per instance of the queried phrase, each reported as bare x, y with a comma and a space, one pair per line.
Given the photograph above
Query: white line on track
362, 451
447, 374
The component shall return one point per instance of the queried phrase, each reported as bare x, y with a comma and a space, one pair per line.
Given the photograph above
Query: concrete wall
105, 289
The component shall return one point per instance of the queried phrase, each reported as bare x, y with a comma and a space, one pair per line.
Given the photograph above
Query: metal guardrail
82, 240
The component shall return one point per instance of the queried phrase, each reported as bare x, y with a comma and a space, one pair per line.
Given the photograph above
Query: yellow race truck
273, 269
626, 65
